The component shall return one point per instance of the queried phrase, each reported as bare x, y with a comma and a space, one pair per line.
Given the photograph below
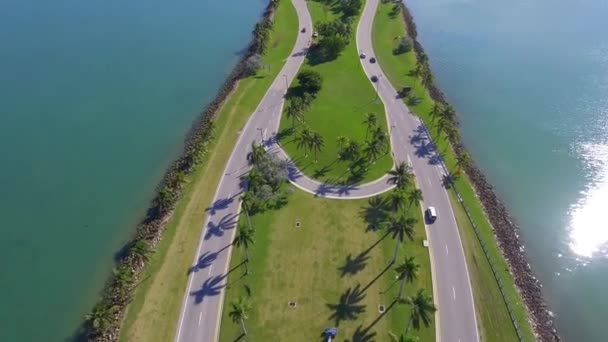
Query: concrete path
202, 308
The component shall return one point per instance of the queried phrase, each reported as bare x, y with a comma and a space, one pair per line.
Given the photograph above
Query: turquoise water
96, 98
530, 81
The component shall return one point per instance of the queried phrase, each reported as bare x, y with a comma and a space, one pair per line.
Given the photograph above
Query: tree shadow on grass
374, 213
363, 335
348, 308
354, 266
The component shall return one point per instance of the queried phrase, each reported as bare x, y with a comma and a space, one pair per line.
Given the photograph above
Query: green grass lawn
339, 109
309, 265
495, 324
154, 311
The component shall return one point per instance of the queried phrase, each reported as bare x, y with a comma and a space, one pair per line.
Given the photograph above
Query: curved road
202, 306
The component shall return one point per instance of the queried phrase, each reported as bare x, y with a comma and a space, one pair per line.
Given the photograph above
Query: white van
431, 214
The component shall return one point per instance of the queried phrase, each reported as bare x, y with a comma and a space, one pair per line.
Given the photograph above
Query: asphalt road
202, 306
411, 143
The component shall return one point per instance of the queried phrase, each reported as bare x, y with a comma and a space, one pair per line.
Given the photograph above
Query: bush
253, 64
405, 45
310, 82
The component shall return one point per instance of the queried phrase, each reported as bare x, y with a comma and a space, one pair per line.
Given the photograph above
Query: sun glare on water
589, 216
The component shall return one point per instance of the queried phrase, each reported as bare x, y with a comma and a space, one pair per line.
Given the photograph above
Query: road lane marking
428, 180
454, 292
446, 249
210, 268
200, 315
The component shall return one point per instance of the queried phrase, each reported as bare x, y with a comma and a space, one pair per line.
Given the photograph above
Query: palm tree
401, 228
352, 150
403, 338
316, 143
245, 239
165, 199
295, 111
140, 251
342, 141
371, 119
415, 196
427, 77
443, 125
123, 277
436, 111
248, 203
240, 312
449, 113
379, 138
257, 153
395, 199
463, 161
407, 271
421, 310
372, 150
101, 316
303, 139
401, 175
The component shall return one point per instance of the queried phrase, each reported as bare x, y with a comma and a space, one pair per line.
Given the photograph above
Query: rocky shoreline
505, 230
103, 322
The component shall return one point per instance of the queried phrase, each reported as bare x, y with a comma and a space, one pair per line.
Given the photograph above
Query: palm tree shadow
374, 213
348, 308
354, 266
363, 335
217, 229
211, 287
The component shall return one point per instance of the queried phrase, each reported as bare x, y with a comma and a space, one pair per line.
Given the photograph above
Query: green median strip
339, 110
154, 311
492, 314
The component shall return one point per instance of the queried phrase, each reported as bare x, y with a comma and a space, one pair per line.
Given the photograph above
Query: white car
362, 55
431, 214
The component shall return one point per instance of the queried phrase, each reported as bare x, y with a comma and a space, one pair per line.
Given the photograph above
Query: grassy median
333, 251
346, 97
154, 311
493, 318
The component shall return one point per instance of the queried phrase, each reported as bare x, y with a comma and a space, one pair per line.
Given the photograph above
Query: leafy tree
415, 196
401, 228
422, 309
338, 27
274, 170
310, 81
401, 176
405, 45
330, 47
257, 153
350, 8
317, 143
371, 120
253, 64
245, 239
240, 312
407, 271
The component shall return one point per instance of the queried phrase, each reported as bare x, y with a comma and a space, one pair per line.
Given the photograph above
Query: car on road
374, 78
372, 60
362, 55
431, 214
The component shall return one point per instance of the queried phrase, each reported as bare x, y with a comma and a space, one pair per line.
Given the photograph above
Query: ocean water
530, 82
96, 97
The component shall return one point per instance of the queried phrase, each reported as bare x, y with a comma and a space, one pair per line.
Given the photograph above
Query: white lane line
428, 180
446, 249
409, 161
454, 292
210, 268
200, 315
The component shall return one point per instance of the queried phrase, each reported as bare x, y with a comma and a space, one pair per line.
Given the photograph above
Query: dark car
374, 78
431, 214
372, 60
